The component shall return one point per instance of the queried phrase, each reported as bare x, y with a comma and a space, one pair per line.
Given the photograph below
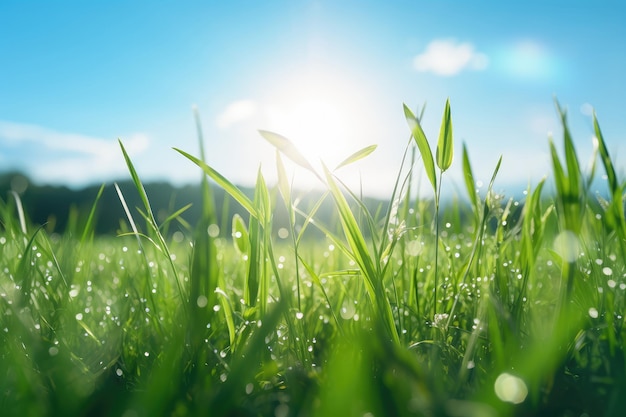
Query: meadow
481, 305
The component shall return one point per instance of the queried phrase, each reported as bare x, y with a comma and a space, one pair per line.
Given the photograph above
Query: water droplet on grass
202, 301
299, 315
593, 313
214, 230
347, 310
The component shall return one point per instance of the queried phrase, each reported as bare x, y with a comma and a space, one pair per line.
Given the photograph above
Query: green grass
478, 306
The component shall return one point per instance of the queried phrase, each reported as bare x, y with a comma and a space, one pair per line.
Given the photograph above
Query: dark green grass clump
417, 308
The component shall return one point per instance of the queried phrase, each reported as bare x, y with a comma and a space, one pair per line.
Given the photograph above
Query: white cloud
16, 133
236, 112
448, 57
70, 158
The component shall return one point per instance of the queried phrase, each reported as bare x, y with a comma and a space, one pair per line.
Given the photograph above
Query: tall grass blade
89, 226
174, 216
422, 144
20, 212
138, 184
152, 223
445, 145
241, 239
360, 252
231, 189
606, 158
129, 215
204, 273
571, 159
360, 154
470, 184
560, 180
289, 149
478, 241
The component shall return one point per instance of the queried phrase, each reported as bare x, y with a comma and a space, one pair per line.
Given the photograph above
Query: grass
418, 308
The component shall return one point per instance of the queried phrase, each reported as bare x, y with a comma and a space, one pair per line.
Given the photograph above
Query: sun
320, 115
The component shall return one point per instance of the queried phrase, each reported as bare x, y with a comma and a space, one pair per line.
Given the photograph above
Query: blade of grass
358, 155
289, 149
231, 189
470, 185
606, 158
89, 226
152, 221
422, 144
371, 273
445, 145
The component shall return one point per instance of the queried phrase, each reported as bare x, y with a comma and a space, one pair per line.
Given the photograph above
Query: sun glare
321, 117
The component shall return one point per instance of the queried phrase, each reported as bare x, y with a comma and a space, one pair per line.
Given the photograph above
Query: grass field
478, 306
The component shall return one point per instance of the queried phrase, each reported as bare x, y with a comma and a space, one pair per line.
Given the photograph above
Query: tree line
60, 209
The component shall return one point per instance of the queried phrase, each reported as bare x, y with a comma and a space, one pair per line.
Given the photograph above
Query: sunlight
320, 115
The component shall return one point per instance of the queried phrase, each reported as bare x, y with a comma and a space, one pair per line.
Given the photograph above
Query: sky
332, 76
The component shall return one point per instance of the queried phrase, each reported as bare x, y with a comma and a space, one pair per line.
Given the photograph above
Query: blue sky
330, 75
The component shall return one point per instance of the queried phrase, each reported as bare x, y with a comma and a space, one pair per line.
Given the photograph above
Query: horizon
331, 77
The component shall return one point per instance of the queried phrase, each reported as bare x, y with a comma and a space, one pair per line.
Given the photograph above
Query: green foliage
409, 307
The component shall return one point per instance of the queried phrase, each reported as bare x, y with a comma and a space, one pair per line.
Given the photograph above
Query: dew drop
214, 230
202, 301
347, 310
